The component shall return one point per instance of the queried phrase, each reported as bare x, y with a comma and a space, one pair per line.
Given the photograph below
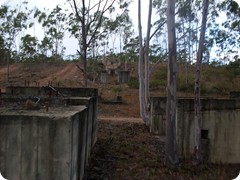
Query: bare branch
157, 29
98, 4
81, 69
94, 19
100, 20
79, 52
88, 14
187, 32
76, 10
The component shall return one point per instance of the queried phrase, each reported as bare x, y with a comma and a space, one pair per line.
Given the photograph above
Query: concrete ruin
220, 127
104, 77
54, 142
123, 76
111, 65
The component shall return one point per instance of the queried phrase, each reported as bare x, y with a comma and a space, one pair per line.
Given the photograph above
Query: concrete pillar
123, 76
158, 116
103, 77
43, 145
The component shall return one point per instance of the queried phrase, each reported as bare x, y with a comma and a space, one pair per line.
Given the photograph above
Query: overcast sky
70, 43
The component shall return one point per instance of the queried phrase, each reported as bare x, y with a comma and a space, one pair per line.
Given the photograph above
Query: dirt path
126, 150
121, 119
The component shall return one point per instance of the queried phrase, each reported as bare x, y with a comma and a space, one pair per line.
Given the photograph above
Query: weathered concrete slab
220, 127
47, 91
43, 145
61, 139
123, 76
104, 77
92, 125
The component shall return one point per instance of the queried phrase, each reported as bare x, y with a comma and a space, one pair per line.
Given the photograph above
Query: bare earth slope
62, 73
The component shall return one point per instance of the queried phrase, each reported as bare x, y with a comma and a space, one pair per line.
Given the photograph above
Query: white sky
71, 43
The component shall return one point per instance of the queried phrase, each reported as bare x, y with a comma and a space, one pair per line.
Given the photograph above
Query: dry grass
126, 150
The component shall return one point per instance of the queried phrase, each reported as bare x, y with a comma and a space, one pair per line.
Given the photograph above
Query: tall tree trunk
146, 55
197, 104
84, 43
171, 145
188, 62
8, 65
84, 58
85, 20
140, 69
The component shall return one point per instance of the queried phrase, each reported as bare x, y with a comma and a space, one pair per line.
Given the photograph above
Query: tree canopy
116, 32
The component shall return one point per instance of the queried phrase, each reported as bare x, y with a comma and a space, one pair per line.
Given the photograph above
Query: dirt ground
125, 149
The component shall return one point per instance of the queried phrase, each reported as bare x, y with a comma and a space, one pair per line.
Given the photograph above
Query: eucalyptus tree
227, 35
2, 49
111, 28
54, 25
13, 21
144, 57
160, 6
144, 53
90, 18
131, 48
170, 143
28, 46
142, 104
124, 22
197, 104
187, 17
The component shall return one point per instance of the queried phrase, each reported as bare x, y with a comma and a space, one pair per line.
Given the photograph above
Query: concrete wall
45, 90
104, 77
83, 96
91, 104
220, 127
47, 145
123, 76
66, 133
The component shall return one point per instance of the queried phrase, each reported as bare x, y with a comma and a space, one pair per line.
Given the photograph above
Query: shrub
133, 83
183, 85
157, 84
117, 90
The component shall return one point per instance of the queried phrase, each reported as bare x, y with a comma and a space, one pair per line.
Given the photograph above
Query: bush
117, 90
157, 84
133, 83
182, 85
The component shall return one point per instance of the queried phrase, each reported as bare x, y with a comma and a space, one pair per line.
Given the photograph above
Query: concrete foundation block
219, 129
43, 145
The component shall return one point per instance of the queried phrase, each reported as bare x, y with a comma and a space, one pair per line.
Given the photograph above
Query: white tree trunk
146, 55
197, 104
140, 69
170, 144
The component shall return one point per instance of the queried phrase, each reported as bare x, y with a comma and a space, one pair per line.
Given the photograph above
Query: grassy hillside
217, 81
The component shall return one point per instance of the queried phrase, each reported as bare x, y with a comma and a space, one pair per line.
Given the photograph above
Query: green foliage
133, 82
28, 46
54, 25
234, 67
13, 21
132, 47
117, 90
158, 78
185, 83
155, 84
161, 73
